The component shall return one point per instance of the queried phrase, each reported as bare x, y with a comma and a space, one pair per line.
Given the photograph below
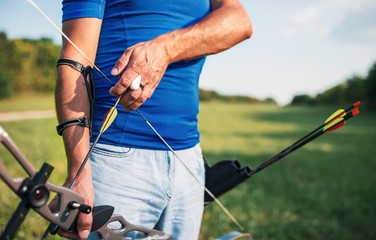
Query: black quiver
224, 176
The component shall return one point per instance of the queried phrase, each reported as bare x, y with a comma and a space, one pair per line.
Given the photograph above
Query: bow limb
34, 192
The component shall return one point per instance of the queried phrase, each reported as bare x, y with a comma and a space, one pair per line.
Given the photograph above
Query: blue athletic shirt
174, 105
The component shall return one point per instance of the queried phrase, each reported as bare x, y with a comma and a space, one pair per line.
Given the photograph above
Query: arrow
237, 175
107, 121
335, 121
334, 116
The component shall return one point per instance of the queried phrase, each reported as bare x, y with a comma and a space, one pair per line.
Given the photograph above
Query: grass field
325, 190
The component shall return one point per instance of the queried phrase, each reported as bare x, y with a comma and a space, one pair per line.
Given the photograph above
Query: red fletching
338, 125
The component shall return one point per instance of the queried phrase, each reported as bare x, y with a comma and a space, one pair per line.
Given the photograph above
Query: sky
299, 47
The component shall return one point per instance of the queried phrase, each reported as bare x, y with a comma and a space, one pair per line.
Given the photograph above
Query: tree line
355, 88
29, 66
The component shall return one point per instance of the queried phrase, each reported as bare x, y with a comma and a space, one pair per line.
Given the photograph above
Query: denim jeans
151, 188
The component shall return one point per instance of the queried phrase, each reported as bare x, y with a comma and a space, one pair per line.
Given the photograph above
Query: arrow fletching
338, 114
110, 117
339, 122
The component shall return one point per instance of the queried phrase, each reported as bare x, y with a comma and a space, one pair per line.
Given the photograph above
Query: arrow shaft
350, 112
103, 128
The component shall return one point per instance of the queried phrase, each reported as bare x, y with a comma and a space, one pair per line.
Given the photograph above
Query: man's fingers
125, 81
138, 98
130, 97
136, 83
84, 222
122, 62
67, 234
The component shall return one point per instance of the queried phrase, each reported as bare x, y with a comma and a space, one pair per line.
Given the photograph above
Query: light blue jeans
151, 188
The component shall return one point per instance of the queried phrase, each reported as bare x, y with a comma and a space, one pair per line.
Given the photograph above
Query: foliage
302, 99
209, 95
370, 85
6, 59
27, 65
353, 89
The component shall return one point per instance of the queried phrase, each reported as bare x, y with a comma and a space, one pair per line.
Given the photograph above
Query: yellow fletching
334, 122
339, 113
110, 117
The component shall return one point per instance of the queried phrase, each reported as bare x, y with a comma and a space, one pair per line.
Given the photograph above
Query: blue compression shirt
174, 105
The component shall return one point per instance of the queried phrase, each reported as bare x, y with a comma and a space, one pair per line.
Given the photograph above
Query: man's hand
147, 59
226, 25
84, 187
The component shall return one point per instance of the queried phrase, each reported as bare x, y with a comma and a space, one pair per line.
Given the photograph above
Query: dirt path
14, 116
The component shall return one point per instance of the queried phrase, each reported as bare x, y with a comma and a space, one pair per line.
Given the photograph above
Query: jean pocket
112, 151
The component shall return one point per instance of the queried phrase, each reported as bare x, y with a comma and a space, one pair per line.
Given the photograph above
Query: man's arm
72, 102
226, 25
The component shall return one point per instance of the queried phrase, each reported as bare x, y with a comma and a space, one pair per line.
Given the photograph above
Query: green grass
28, 102
325, 190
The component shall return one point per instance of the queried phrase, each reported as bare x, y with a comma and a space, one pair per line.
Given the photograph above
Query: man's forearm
71, 93
227, 25
72, 102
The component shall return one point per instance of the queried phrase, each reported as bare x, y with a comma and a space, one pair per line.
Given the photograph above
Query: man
163, 43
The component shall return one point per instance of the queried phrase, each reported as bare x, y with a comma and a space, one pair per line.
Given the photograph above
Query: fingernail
114, 71
84, 233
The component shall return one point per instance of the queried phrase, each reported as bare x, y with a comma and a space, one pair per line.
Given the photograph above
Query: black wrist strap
88, 76
82, 122
73, 64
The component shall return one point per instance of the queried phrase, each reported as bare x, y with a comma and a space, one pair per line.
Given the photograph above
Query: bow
35, 190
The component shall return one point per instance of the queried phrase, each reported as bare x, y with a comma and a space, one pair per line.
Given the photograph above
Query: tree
6, 76
334, 95
302, 99
355, 89
370, 85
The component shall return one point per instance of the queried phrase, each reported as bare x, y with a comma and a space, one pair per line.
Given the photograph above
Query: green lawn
28, 102
325, 190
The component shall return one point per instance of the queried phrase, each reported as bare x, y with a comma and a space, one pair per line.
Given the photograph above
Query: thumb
84, 222
122, 62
